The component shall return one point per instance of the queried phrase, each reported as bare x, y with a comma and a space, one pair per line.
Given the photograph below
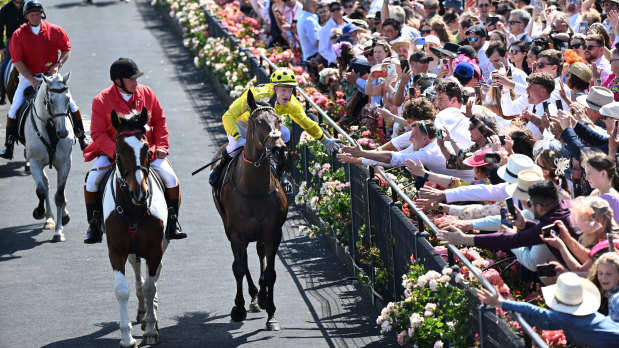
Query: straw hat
573, 295
396, 45
610, 110
526, 179
515, 164
581, 71
597, 97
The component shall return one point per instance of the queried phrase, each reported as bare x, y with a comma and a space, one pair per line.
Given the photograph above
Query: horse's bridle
265, 153
123, 173
47, 103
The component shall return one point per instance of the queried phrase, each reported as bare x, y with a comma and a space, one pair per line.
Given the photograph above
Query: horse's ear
143, 117
115, 120
66, 77
250, 100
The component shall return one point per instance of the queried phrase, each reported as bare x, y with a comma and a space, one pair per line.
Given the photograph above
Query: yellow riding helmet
284, 77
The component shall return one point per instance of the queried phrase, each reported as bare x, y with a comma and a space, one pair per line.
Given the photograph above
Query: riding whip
210, 163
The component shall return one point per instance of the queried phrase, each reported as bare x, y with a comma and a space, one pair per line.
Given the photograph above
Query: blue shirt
613, 304
593, 330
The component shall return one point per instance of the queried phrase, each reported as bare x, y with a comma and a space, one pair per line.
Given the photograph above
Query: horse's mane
131, 122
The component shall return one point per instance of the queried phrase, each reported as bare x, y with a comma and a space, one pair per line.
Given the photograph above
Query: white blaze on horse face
136, 145
275, 133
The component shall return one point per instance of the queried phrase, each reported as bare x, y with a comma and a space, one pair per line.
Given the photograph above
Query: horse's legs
136, 264
122, 295
149, 289
262, 295
253, 290
238, 268
42, 188
62, 215
269, 277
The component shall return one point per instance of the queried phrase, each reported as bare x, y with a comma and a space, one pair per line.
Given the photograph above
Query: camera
546, 270
547, 230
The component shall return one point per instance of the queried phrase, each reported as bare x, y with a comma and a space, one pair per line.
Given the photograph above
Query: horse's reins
49, 124
265, 153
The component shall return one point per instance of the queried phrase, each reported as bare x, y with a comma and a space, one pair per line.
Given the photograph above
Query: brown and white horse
135, 215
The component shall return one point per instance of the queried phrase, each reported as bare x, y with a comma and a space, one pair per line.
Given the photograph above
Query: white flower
432, 284
438, 344
385, 327
447, 271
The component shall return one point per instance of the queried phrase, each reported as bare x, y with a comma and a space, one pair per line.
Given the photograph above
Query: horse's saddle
29, 94
223, 179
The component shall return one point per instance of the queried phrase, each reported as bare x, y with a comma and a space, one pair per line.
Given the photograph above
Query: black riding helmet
34, 6
124, 68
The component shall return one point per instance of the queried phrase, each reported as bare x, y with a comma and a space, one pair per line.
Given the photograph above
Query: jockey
124, 96
279, 92
34, 49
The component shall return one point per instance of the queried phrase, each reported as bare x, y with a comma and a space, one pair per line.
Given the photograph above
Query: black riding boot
78, 129
281, 173
173, 229
216, 172
94, 212
11, 136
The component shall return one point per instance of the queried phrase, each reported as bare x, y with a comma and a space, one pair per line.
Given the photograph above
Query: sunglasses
514, 52
613, 59
425, 31
335, 9
577, 45
483, 5
349, 6
334, 37
473, 39
590, 47
530, 204
542, 65
573, 2
513, 22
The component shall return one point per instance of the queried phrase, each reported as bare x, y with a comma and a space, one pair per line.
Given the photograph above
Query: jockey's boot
281, 173
173, 229
94, 213
11, 136
216, 172
78, 129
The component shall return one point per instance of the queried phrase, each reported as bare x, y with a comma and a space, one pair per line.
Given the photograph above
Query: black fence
383, 222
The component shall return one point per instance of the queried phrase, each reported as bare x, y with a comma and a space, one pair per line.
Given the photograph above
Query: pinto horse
135, 215
254, 208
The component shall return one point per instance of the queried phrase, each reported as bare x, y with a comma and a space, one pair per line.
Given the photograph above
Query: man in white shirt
477, 35
292, 11
573, 11
308, 28
325, 47
449, 101
594, 53
497, 55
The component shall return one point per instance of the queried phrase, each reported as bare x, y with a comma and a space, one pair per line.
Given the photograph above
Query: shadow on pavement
18, 238
13, 168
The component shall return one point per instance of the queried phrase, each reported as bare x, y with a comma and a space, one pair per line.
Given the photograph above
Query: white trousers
242, 128
161, 166
18, 98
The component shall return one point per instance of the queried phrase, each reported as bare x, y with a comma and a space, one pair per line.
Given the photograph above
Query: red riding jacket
38, 52
103, 133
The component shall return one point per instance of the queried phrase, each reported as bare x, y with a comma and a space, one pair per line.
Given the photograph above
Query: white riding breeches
18, 98
161, 166
242, 128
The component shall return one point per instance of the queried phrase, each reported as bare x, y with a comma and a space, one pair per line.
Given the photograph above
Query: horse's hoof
151, 339
254, 307
38, 214
132, 344
238, 313
49, 224
66, 219
273, 325
58, 238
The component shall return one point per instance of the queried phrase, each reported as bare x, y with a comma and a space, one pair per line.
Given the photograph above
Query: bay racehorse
254, 208
48, 136
135, 215
11, 79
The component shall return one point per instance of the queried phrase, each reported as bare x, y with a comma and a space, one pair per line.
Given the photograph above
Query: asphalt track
62, 294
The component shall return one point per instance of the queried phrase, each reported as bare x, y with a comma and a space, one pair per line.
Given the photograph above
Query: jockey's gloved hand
333, 145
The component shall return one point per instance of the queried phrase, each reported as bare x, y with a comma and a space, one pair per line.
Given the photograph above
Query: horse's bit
49, 123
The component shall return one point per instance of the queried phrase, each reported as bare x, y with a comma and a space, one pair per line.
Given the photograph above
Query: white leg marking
122, 295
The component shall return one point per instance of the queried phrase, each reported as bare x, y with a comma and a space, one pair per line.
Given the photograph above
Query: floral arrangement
433, 311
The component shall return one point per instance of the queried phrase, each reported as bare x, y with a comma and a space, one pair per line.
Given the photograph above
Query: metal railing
256, 68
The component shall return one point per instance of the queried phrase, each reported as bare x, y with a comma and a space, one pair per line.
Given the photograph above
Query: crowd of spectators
510, 108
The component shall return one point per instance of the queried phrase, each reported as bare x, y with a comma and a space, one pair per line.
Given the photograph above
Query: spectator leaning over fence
449, 99
574, 302
281, 99
325, 46
416, 109
605, 275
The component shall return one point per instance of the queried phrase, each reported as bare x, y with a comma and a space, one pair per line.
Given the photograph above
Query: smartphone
404, 64
582, 27
411, 92
478, 94
492, 20
548, 230
546, 270
379, 73
421, 41
546, 108
504, 220
510, 207
616, 123
502, 139
559, 104
439, 134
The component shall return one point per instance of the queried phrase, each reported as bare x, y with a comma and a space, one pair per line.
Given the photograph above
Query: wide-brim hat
580, 70
478, 159
597, 97
610, 110
526, 179
573, 295
450, 49
515, 164
396, 45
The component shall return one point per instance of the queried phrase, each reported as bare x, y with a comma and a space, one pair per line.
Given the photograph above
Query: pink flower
427, 314
366, 134
411, 331
401, 337
432, 284
438, 344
